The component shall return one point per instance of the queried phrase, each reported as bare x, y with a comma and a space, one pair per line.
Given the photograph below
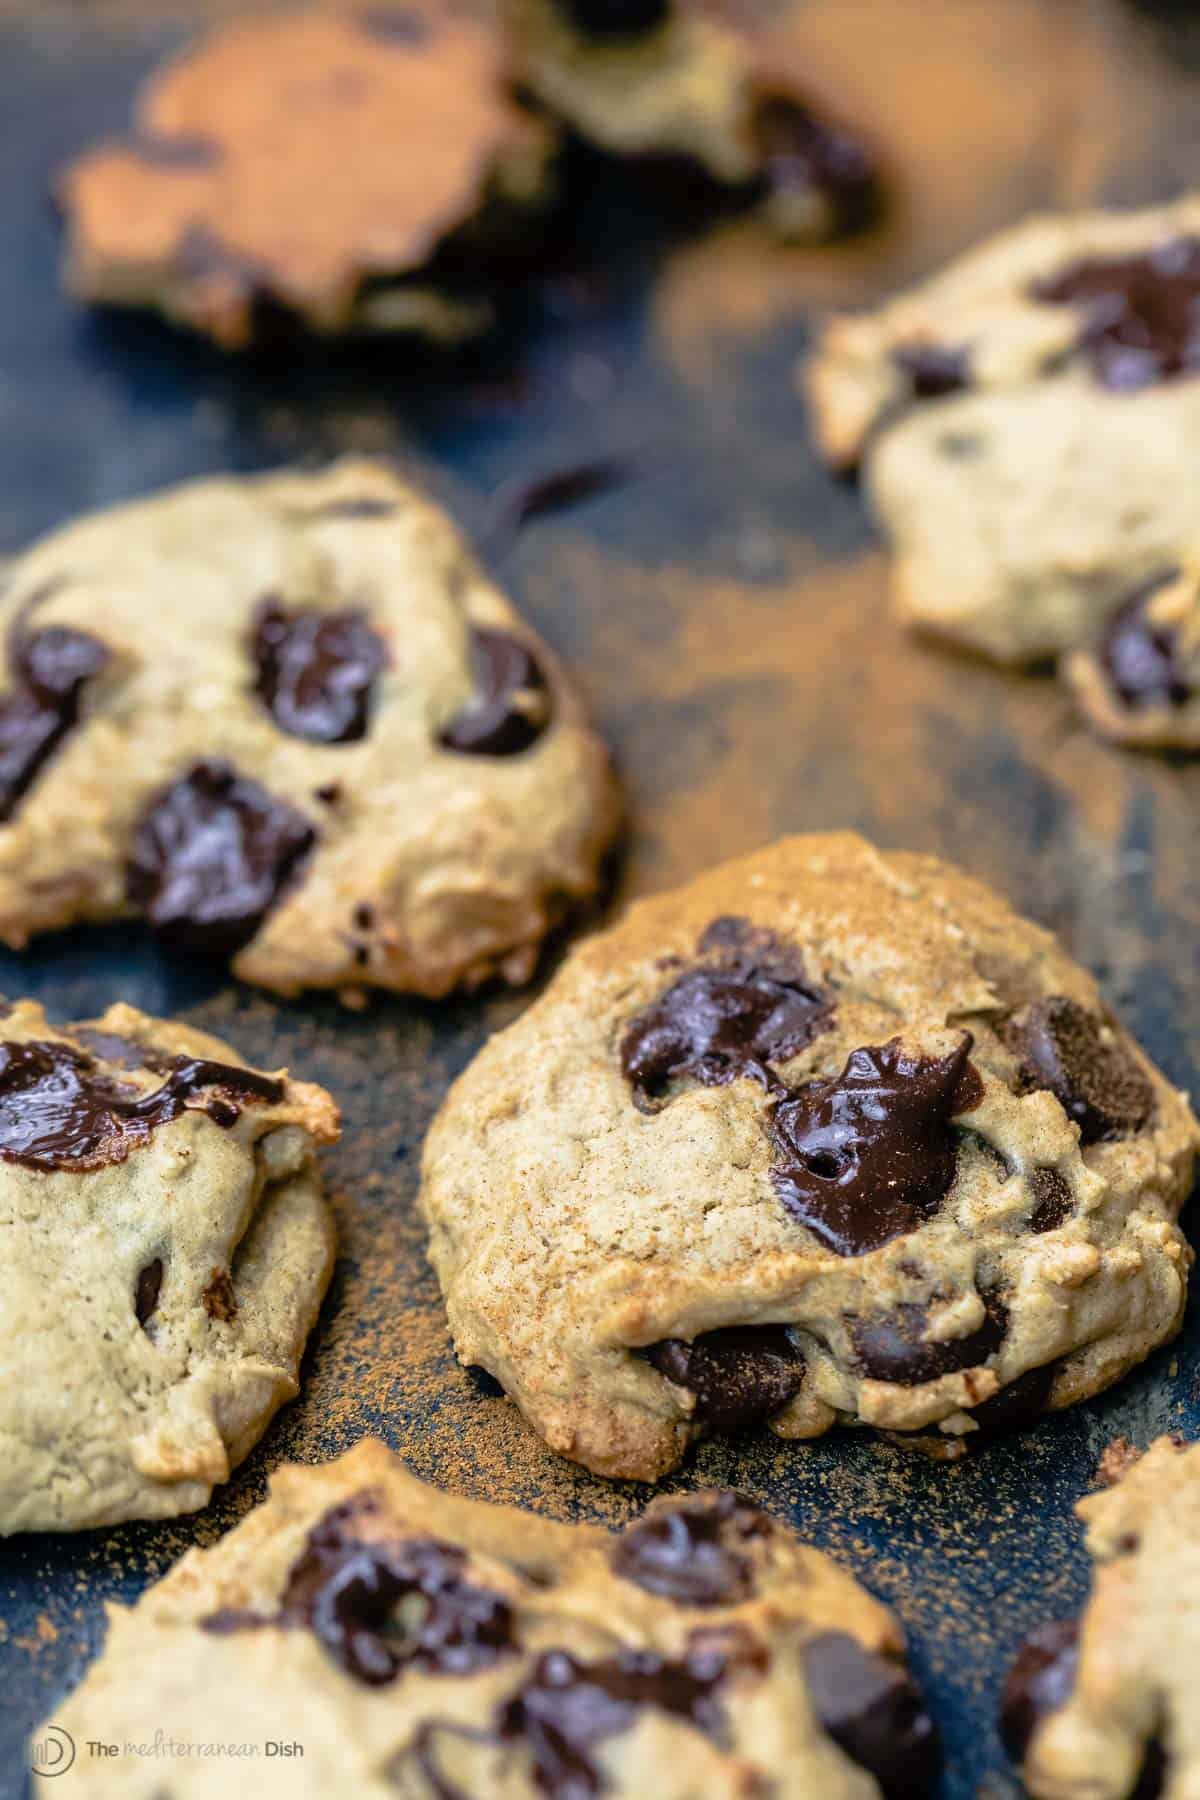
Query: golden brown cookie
830, 1135
358, 169
166, 1248
1105, 1707
409, 1643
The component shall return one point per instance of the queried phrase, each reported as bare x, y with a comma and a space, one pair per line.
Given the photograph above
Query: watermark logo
52, 1751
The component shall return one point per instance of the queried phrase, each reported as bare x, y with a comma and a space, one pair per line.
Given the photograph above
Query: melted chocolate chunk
316, 671
1141, 658
483, 1381
218, 1299
932, 370
1141, 313
615, 18
211, 855
801, 153
378, 1607
870, 1154
738, 1375
565, 487
871, 1709
688, 1550
566, 1707
57, 1111
1040, 1681
892, 1346
1053, 1200
149, 1286
1098, 1083
727, 1022
511, 706
50, 671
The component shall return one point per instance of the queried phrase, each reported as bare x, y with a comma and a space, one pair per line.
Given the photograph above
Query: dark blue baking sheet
726, 609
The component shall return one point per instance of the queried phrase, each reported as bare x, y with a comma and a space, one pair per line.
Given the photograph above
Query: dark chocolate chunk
871, 1153
1017, 1405
218, 1299
738, 1375
149, 1286
725, 1022
58, 1111
566, 1707
511, 706
316, 671
394, 24
689, 1550
1040, 1681
50, 670
1141, 313
892, 1346
349, 1591
1141, 658
615, 18
1053, 1200
1062, 1048
483, 1381
933, 370
872, 1710
211, 855
803, 154
553, 493
367, 506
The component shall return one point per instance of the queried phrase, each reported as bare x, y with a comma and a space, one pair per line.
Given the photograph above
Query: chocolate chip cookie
414, 1643
355, 171
167, 1246
290, 722
829, 1136
1105, 1705
1026, 422
667, 80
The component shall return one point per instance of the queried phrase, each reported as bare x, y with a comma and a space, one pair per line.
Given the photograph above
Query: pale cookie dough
291, 721
414, 1644
1027, 422
166, 1250
828, 1136
1104, 1707
357, 170
662, 79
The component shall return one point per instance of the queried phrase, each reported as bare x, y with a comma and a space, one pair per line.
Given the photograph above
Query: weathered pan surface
726, 609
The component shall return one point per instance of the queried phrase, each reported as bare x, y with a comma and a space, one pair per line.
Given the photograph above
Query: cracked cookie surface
167, 1249
1026, 422
359, 171
290, 721
830, 1135
1104, 1707
420, 1644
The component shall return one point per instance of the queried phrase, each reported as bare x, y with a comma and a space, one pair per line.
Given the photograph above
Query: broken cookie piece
667, 80
829, 1136
167, 1247
437, 1647
1139, 683
357, 171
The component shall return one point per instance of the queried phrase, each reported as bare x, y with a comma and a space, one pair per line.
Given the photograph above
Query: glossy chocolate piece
58, 1111
566, 1707
690, 1550
871, 1709
1141, 658
50, 670
149, 1286
1098, 1083
211, 855
1053, 1201
511, 706
751, 1007
871, 1153
1141, 313
316, 671
801, 153
893, 1347
1041, 1680
738, 1375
